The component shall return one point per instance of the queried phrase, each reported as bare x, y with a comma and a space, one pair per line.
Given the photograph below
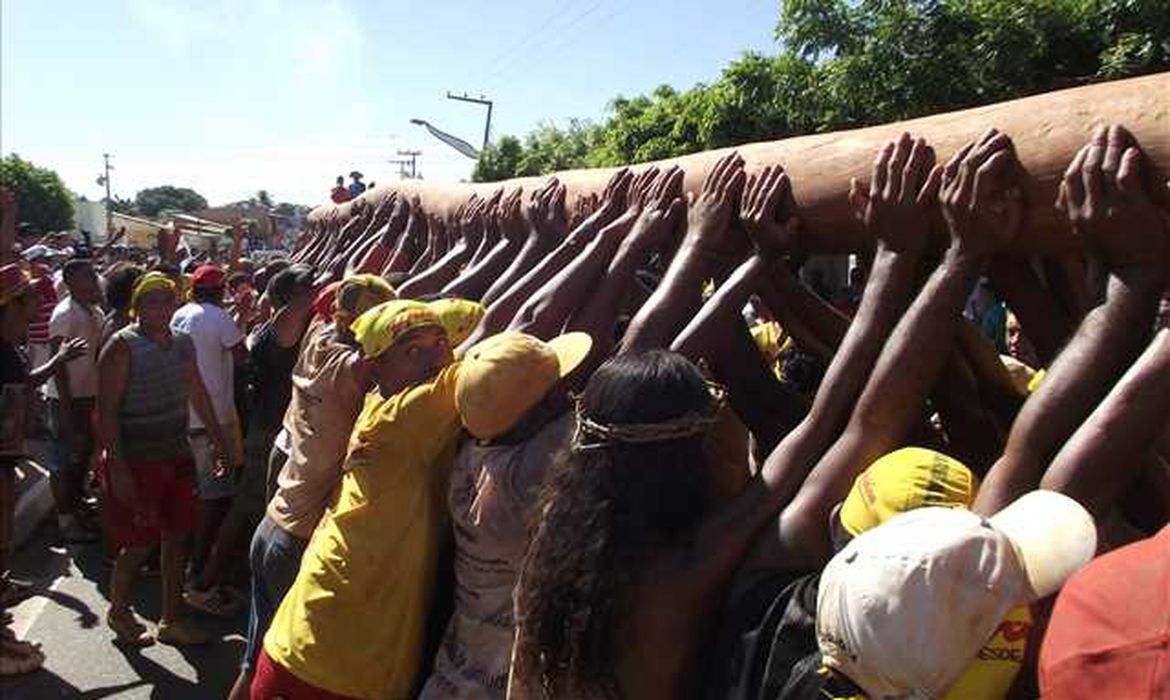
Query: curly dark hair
601, 513
120, 281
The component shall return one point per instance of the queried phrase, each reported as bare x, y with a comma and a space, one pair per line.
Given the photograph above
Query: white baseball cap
905, 607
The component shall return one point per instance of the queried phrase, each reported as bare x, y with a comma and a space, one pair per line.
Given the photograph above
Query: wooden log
1047, 130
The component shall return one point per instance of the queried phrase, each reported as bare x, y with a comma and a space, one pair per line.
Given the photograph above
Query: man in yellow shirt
352, 625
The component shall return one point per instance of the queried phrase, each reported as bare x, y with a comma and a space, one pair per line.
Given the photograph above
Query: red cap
1109, 636
208, 276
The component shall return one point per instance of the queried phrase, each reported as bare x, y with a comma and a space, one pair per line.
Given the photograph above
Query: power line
542, 41
508, 53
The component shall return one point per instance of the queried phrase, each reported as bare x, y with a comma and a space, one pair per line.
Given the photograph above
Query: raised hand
768, 212
471, 221
903, 190
709, 214
386, 206
1104, 196
611, 204
657, 200
72, 349
510, 218
546, 212
981, 201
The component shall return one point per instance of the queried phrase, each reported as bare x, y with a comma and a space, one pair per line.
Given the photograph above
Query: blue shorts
275, 559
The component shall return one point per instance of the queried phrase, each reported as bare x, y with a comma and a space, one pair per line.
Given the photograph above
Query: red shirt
339, 194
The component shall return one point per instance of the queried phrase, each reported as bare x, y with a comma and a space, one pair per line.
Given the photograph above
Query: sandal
181, 633
129, 630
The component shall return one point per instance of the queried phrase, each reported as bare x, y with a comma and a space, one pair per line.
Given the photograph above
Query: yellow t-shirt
353, 621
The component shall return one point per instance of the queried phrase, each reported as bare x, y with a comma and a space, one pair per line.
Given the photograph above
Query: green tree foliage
154, 200
44, 202
852, 63
123, 206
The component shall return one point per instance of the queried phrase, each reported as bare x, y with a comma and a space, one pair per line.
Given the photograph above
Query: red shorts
167, 502
274, 682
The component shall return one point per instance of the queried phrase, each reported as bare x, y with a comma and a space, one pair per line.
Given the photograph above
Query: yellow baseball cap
903, 480
504, 376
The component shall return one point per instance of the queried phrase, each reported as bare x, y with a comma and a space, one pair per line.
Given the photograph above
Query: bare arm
707, 249
201, 402
1130, 230
1103, 456
545, 215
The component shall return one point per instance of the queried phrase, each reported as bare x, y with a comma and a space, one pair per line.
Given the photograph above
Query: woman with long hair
631, 492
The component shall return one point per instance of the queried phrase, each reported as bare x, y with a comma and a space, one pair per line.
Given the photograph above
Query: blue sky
231, 96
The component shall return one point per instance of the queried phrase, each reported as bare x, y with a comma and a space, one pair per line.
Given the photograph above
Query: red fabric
38, 330
1109, 636
339, 194
323, 303
273, 682
208, 276
167, 502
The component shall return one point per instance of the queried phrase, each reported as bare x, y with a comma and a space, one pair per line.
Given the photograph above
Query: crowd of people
617, 448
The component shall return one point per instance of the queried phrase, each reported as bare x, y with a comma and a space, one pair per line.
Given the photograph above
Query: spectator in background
243, 307
272, 355
339, 194
38, 331
148, 379
357, 186
19, 304
73, 395
219, 346
120, 281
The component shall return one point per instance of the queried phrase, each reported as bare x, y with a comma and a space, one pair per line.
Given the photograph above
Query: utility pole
481, 100
105, 180
413, 156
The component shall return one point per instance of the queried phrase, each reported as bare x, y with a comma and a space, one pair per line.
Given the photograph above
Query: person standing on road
73, 394
19, 305
147, 375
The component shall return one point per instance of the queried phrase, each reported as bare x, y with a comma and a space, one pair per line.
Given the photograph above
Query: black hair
603, 512
74, 267
285, 283
120, 281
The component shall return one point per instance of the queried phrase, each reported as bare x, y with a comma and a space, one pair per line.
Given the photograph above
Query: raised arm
983, 213
509, 222
1103, 456
897, 214
374, 257
708, 249
658, 206
548, 215
540, 239
1104, 197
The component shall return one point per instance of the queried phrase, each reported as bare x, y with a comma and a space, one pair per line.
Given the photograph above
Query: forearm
1107, 341
437, 276
676, 299
1104, 456
45, 372
533, 251
504, 310
475, 280
914, 355
703, 335
812, 322
548, 310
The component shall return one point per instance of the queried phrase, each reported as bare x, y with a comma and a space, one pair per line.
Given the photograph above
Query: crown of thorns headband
594, 435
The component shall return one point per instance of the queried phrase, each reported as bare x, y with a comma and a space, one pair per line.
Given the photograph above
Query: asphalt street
68, 619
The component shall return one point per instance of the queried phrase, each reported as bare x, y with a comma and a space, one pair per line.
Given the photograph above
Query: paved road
69, 621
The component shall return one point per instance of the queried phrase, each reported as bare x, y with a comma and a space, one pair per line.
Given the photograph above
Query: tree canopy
154, 200
852, 63
45, 204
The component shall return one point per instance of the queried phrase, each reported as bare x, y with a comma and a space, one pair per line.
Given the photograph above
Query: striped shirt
153, 414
